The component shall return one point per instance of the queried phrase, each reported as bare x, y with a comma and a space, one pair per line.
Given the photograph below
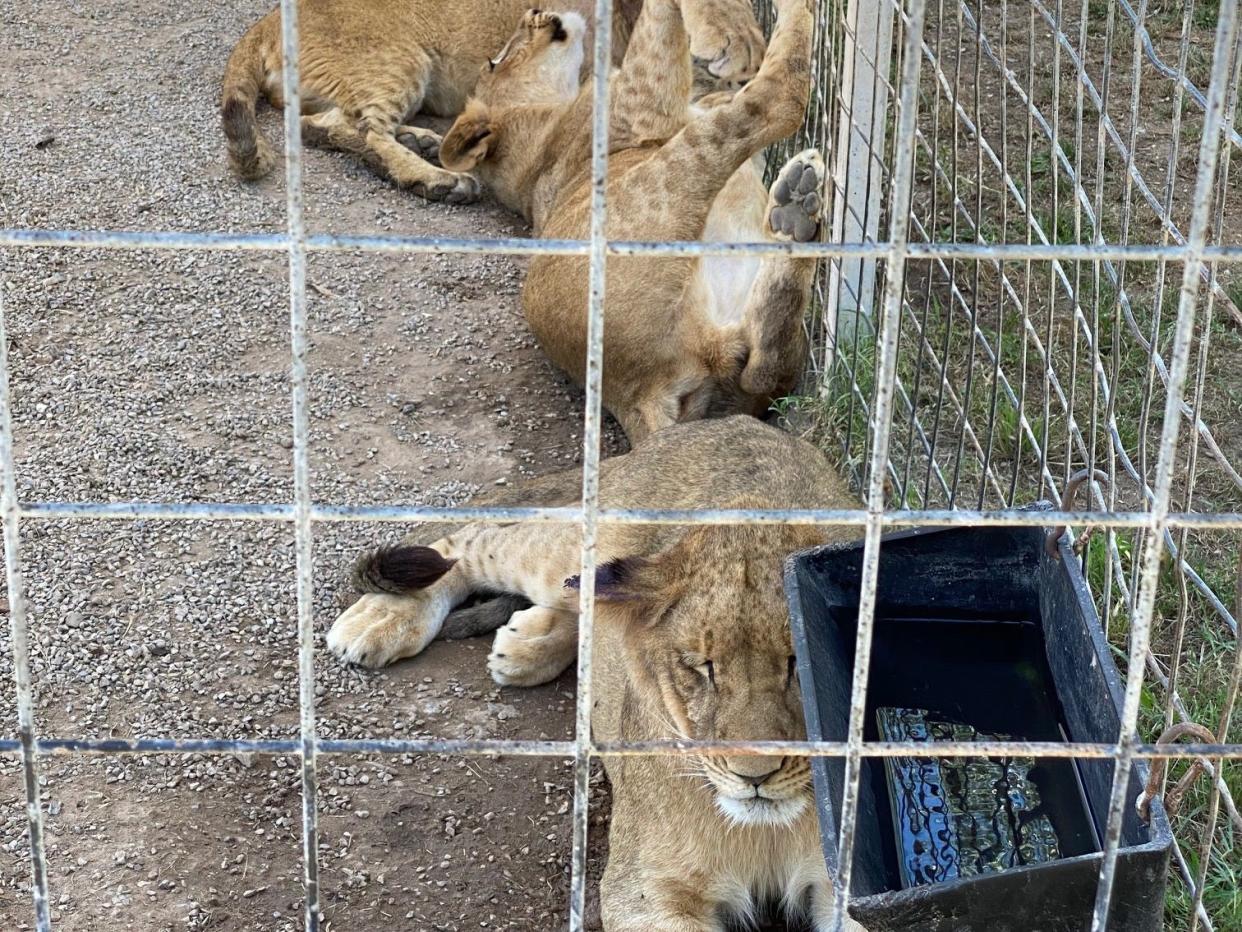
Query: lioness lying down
369, 66
683, 338
692, 640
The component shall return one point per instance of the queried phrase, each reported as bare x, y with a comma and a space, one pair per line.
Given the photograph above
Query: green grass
1203, 685
837, 421
1206, 15
1207, 652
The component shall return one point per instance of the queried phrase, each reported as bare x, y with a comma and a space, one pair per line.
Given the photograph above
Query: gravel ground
163, 377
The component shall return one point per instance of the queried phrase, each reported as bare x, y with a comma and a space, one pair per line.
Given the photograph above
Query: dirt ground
163, 376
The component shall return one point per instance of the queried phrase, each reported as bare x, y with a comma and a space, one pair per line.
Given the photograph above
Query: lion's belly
723, 283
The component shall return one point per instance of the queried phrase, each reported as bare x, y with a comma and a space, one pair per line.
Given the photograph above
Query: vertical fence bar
601, 68
19, 631
301, 459
1231, 690
856, 214
1144, 607
1170, 187
1110, 416
881, 422
1222, 729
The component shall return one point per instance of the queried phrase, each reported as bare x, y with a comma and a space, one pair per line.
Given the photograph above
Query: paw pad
794, 213
428, 146
453, 189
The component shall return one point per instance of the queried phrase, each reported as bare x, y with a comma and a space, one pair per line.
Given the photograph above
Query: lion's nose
755, 770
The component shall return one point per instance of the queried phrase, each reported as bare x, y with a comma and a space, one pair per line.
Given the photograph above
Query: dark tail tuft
399, 570
250, 155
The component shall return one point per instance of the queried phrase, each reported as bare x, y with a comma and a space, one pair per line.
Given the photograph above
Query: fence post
858, 175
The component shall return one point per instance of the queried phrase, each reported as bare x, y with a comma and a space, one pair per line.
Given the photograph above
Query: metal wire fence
1058, 125
993, 315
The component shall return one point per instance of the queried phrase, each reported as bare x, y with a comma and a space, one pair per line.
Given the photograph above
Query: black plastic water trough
983, 631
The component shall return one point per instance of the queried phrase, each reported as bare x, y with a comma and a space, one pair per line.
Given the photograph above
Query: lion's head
541, 64
709, 646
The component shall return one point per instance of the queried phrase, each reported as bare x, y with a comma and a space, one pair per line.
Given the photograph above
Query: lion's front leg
639, 903
423, 585
822, 913
411, 590
725, 37
641, 892
535, 646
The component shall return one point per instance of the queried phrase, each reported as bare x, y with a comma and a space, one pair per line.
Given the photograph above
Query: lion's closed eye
707, 669
700, 663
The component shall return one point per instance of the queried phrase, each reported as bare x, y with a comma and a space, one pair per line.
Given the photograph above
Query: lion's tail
403, 570
250, 155
399, 570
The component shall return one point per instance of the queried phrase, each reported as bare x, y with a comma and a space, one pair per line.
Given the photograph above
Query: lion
369, 66
692, 641
683, 338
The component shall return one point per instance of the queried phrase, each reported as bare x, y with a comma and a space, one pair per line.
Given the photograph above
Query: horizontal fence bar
241, 511
272, 242
673, 748
293, 746
415, 514
912, 749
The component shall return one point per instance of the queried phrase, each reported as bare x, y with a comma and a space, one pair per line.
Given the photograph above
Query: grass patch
1052, 361
837, 419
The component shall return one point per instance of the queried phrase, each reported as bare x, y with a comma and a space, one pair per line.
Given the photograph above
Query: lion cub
368, 66
692, 641
683, 338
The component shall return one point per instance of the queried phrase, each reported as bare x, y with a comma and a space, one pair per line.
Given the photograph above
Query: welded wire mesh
1096, 123
999, 307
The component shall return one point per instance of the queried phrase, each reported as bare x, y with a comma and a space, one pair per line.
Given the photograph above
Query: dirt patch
164, 377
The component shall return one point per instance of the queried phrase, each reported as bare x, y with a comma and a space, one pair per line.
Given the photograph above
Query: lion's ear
469, 140
643, 586
617, 580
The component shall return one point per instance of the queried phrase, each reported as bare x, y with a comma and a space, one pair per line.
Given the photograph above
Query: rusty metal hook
1173, 797
1067, 503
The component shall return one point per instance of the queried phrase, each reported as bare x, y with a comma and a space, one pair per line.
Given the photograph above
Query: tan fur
369, 66
684, 844
683, 339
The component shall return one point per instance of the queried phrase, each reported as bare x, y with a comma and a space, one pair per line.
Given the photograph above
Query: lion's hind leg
795, 202
329, 129
772, 320
397, 160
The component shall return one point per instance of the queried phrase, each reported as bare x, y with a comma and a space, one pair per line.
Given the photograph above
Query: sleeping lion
369, 66
692, 641
684, 338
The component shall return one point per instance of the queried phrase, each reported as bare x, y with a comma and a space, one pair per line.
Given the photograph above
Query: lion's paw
725, 36
422, 142
534, 647
378, 629
450, 187
795, 202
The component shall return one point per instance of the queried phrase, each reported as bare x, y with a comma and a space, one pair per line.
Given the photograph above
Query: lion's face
709, 634
540, 64
726, 670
